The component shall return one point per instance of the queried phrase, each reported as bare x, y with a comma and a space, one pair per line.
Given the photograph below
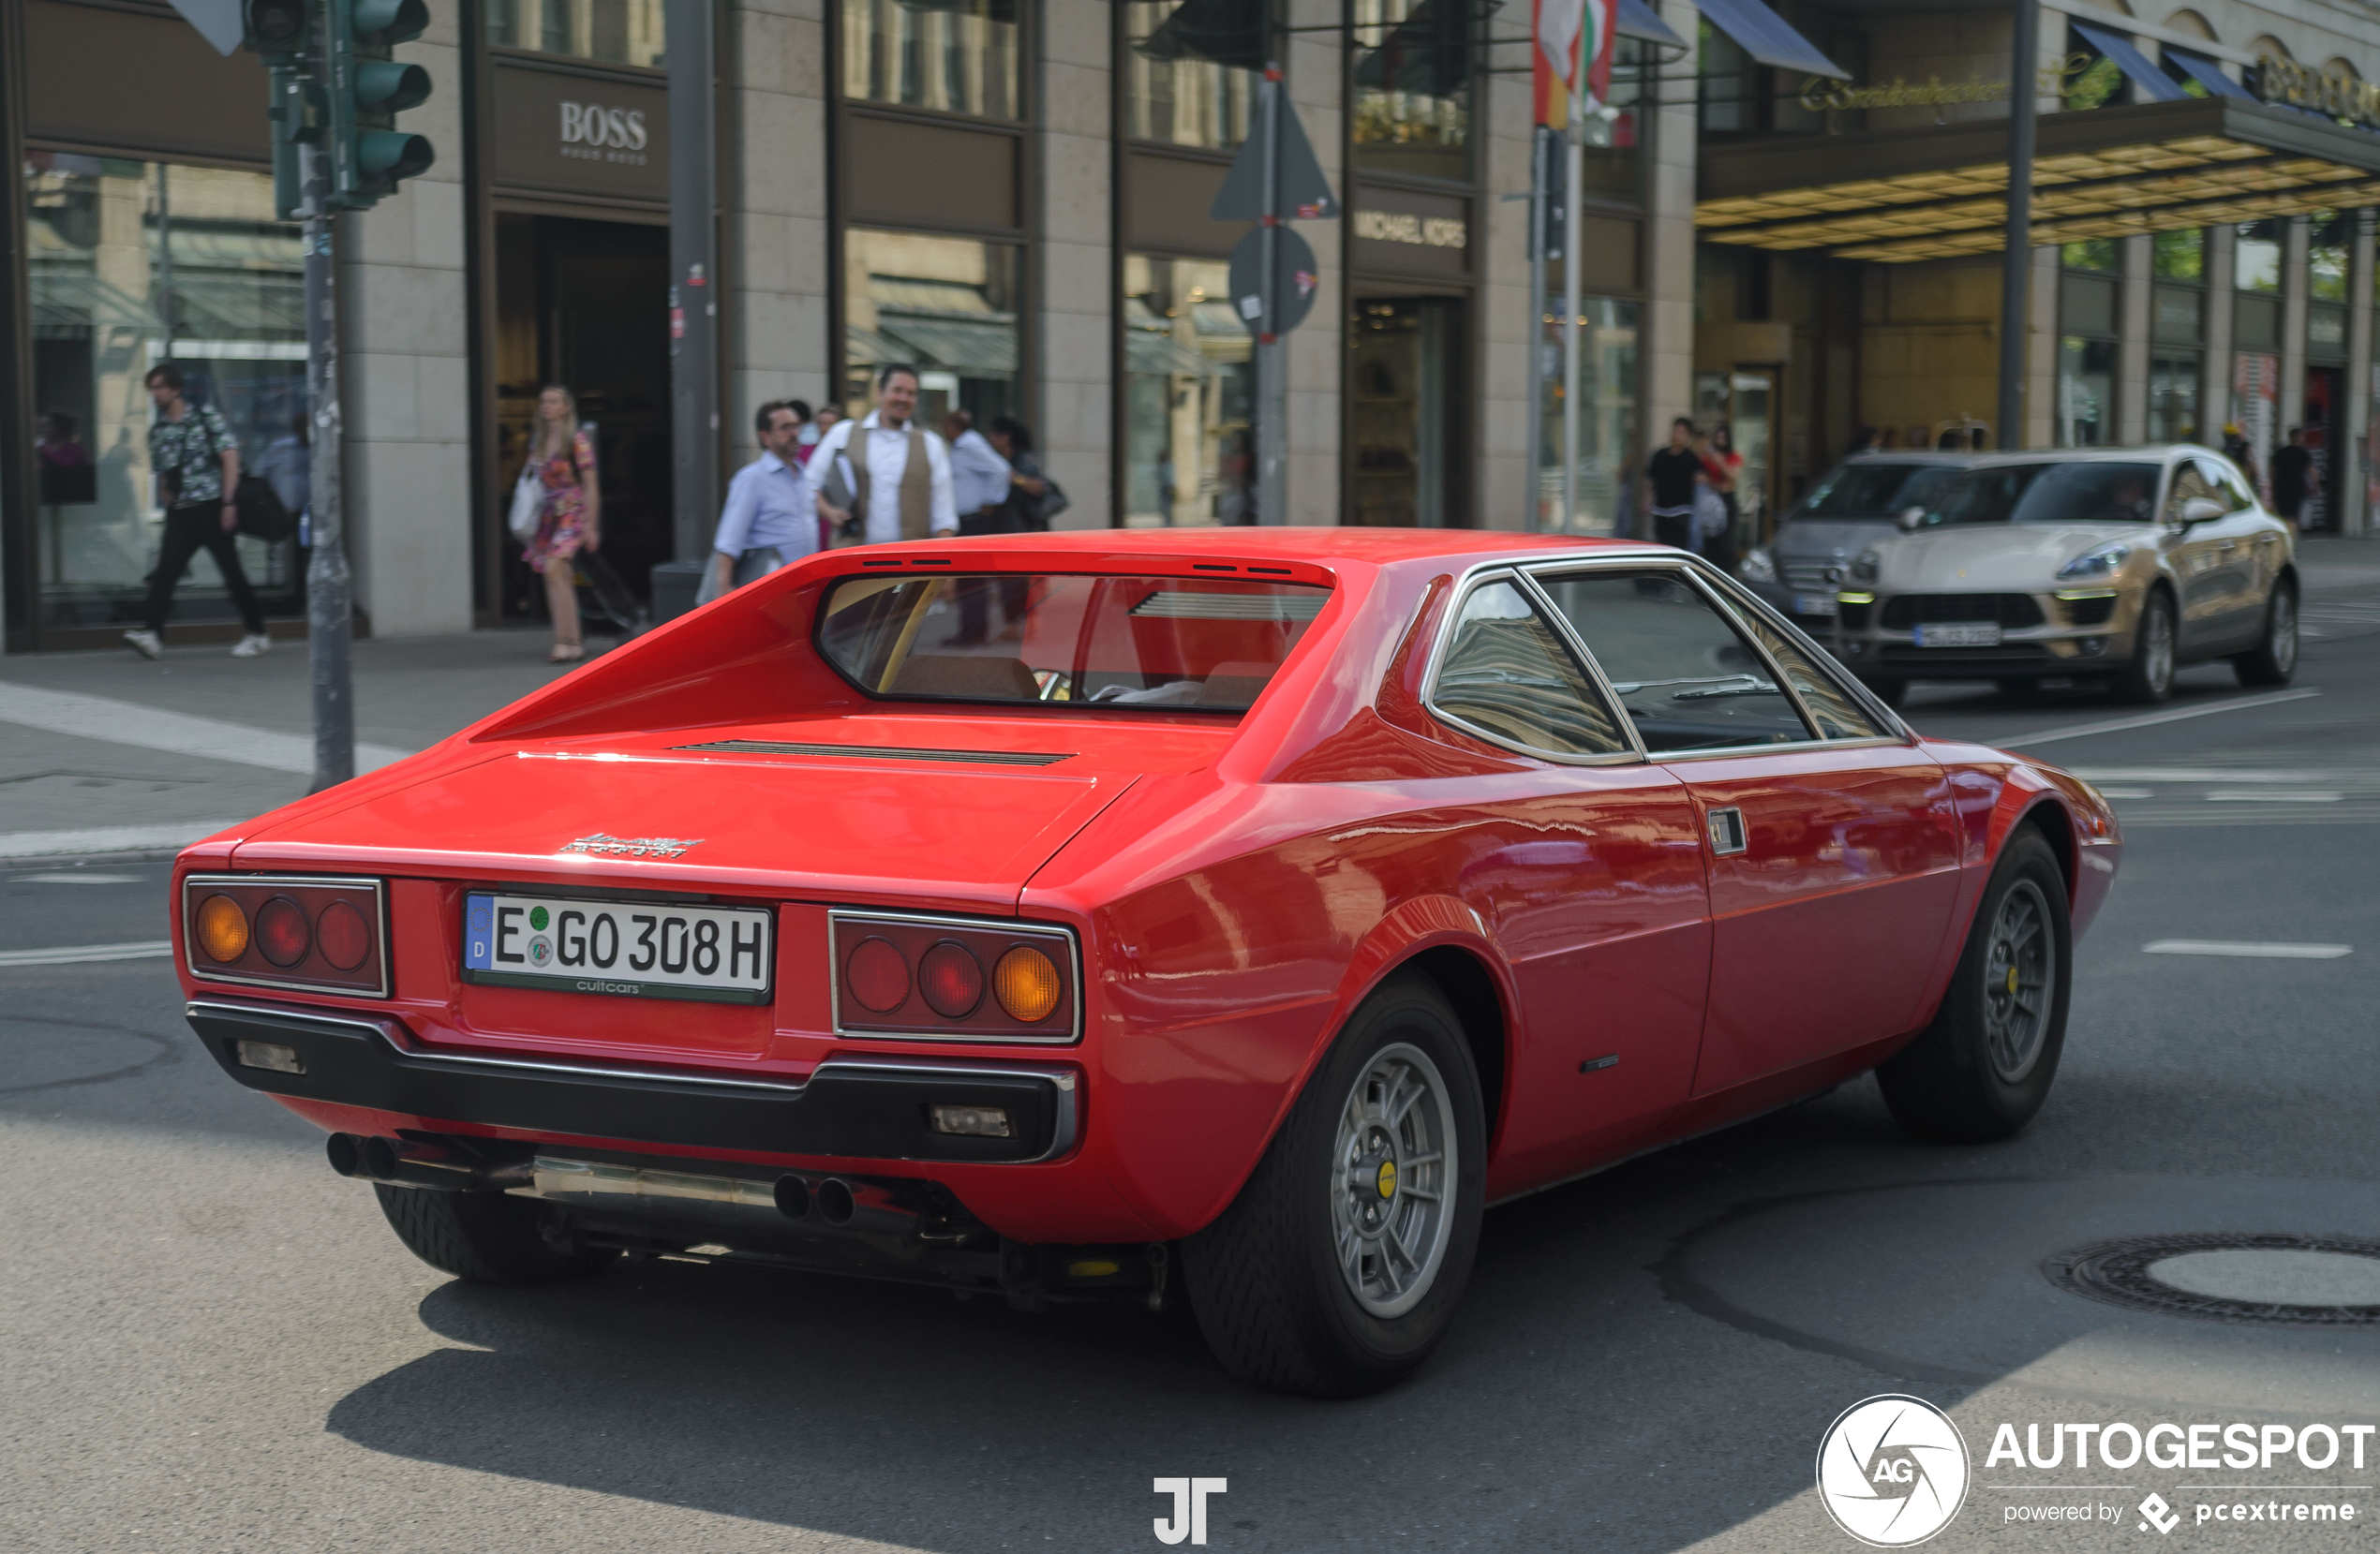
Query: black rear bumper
861, 1109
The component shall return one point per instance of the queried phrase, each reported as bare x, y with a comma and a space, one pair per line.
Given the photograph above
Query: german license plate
1814, 604
1959, 633
653, 950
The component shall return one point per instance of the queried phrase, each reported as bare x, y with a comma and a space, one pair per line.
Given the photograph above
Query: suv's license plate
1814, 604
1961, 633
654, 950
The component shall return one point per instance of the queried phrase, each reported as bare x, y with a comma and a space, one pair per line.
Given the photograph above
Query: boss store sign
571, 133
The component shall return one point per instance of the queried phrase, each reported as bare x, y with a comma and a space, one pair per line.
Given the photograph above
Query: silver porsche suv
2107, 564
1800, 570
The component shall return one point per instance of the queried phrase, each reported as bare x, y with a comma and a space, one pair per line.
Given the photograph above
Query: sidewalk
108, 754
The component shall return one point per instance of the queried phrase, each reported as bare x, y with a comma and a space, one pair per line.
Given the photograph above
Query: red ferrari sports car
1234, 912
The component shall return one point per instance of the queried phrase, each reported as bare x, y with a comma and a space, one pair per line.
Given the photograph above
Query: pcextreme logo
1892, 1471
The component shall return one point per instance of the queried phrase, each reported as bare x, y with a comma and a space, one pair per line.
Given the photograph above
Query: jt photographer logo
1189, 1519
1892, 1471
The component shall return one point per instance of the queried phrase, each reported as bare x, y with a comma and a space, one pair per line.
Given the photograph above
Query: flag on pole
1572, 63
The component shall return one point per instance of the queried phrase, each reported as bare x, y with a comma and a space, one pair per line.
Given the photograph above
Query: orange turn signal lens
222, 929
1026, 983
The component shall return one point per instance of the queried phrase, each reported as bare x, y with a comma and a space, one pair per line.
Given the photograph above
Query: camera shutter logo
1893, 1470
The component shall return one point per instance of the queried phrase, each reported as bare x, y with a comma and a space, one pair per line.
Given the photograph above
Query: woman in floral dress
565, 460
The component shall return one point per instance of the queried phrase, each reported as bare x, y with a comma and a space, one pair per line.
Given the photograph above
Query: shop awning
1768, 37
1640, 21
969, 347
2206, 73
2145, 78
1150, 352
1895, 196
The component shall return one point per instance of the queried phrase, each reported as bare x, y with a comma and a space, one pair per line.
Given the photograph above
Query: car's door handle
1726, 828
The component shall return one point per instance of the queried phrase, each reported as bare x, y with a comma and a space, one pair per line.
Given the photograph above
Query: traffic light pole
329, 593
1272, 376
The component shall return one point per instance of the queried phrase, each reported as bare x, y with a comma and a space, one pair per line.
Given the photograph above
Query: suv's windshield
1875, 490
2073, 493
1159, 642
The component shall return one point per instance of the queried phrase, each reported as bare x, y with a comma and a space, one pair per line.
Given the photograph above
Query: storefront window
1608, 492
1612, 160
623, 32
1405, 373
2256, 257
953, 56
1413, 87
2173, 399
2086, 392
2331, 232
1727, 83
1189, 396
131, 264
1192, 68
946, 307
2096, 254
2181, 256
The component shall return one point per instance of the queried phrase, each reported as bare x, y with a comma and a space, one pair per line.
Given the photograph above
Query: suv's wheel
487, 1238
2149, 677
1338, 1267
1983, 1067
2274, 658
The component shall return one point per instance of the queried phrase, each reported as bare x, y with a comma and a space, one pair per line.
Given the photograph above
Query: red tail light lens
877, 976
952, 980
288, 931
906, 978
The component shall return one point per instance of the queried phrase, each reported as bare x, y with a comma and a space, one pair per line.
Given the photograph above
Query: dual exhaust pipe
407, 1163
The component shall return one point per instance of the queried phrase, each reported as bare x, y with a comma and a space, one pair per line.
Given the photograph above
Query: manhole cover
2303, 1280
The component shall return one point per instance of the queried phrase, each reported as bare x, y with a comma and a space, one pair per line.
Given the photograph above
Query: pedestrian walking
2292, 477
893, 475
767, 521
196, 462
978, 475
1723, 466
1034, 498
1672, 475
2237, 449
573, 513
820, 425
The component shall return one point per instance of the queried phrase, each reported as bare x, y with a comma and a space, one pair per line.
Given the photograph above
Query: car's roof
1379, 546
1917, 455
2159, 450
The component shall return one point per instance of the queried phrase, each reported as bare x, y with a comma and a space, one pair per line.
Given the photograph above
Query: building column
2296, 272
2041, 354
2133, 324
774, 240
1318, 348
1665, 324
405, 387
2214, 369
2354, 516
1502, 487
1074, 289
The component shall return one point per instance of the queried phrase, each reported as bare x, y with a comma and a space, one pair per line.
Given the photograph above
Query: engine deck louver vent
881, 752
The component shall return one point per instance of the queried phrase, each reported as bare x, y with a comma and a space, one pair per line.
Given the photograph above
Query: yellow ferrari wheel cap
1387, 1178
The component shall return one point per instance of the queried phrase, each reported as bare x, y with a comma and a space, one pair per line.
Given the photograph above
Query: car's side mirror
1909, 519
2201, 510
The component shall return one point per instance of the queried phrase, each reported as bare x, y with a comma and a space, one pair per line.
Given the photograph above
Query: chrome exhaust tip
836, 1204
793, 1198
347, 1154
379, 1158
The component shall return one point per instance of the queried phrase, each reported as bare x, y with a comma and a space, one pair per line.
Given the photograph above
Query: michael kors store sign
1400, 231
563, 132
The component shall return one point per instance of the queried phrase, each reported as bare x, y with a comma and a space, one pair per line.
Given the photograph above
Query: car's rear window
1875, 490
2092, 492
1117, 643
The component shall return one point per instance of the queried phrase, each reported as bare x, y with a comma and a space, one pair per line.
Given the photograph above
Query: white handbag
529, 504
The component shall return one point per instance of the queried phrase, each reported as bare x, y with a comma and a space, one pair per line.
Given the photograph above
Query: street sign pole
329, 592
1535, 335
1272, 385
1575, 177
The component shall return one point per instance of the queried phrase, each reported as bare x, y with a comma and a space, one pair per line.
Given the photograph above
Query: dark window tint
1875, 490
1680, 670
1507, 672
2078, 493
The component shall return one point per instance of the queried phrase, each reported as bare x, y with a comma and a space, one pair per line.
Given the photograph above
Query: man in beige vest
895, 473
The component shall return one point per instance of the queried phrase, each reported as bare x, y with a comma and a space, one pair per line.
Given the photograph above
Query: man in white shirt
978, 475
767, 522
894, 497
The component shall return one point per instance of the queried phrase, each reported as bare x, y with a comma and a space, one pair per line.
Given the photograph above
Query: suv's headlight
2099, 561
1867, 567
1758, 565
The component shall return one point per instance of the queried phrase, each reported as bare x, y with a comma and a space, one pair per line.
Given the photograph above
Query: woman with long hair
564, 458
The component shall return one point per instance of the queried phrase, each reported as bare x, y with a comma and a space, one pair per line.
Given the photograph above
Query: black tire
1947, 1087
2016, 686
485, 1237
2149, 679
1893, 693
1265, 1278
2274, 658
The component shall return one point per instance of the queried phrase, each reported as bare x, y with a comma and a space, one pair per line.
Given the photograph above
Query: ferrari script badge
633, 847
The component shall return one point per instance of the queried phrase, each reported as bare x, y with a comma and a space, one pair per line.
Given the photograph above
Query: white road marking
2106, 793
107, 839
2117, 725
2265, 795
2097, 776
78, 878
2228, 947
153, 728
71, 954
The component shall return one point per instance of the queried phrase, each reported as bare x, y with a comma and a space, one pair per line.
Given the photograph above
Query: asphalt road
211, 1343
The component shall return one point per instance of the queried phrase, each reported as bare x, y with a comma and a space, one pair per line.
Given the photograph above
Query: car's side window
1685, 679
1838, 716
1506, 673
2190, 483
2228, 485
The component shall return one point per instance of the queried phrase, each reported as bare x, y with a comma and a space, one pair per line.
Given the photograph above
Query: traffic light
366, 91
283, 32
277, 29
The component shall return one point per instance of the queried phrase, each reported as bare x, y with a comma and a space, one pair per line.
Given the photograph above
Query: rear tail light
288, 931
925, 977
